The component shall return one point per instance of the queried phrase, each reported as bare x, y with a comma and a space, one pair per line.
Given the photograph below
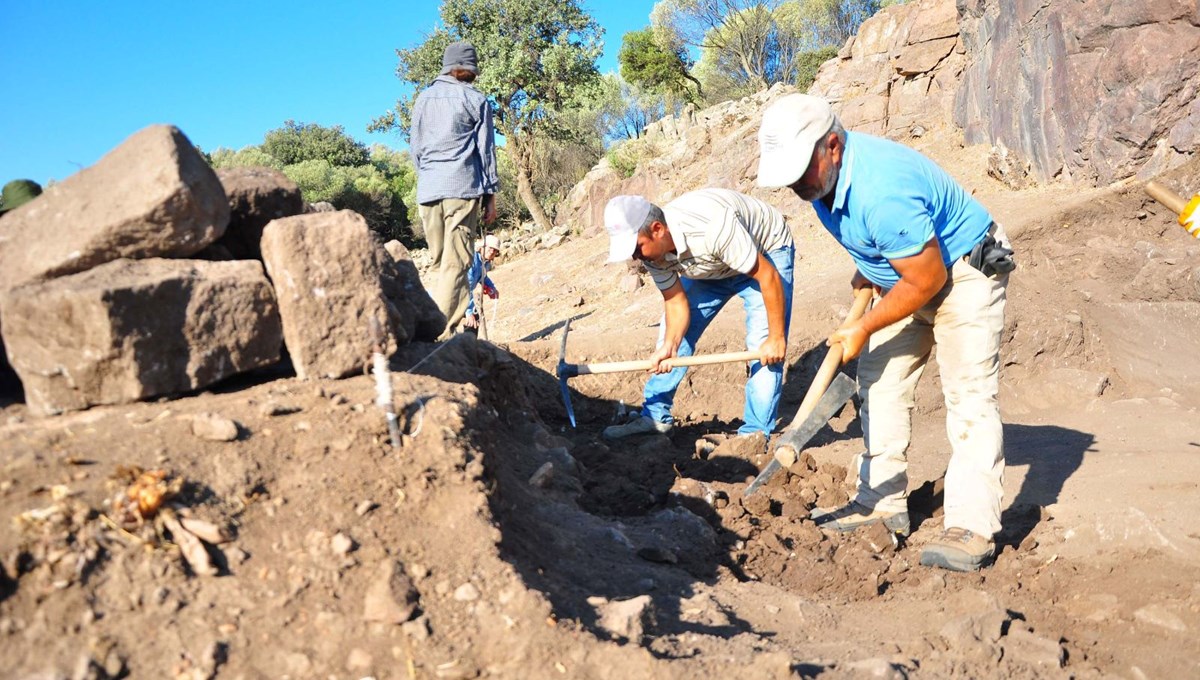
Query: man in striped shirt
702, 249
453, 145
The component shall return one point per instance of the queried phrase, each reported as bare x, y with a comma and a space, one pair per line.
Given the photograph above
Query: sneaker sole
962, 563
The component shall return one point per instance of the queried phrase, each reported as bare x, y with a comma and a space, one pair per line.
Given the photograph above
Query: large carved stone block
152, 196
135, 329
327, 269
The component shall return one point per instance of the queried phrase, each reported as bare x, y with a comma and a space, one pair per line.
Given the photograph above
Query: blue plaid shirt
453, 142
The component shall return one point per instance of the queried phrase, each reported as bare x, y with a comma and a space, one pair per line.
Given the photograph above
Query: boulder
899, 73
256, 196
135, 329
327, 270
419, 314
152, 196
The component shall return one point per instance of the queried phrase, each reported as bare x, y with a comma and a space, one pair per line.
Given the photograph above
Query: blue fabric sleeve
487, 150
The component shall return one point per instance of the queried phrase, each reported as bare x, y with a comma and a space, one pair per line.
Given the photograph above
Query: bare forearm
773, 299
899, 303
678, 316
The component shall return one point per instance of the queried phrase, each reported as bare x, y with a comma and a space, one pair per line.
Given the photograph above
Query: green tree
653, 66
298, 142
624, 109
830, 23
246, 157
328, 165
809, 63
747, 45
398, 167
537, 64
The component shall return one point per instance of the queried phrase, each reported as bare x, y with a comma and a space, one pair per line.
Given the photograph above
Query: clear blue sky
80, 76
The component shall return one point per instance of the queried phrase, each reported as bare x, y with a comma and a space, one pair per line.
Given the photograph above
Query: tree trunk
525, 187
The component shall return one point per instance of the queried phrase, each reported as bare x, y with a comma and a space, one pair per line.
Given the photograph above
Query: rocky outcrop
898, 76
713, 147
256, 196
327, 270
1091, 91
134, 329
152, 196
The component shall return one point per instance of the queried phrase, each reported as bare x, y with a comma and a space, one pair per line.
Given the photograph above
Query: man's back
718, 233
452, 142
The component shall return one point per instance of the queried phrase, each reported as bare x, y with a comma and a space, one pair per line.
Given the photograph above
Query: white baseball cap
623, 217
790, 130
491, 241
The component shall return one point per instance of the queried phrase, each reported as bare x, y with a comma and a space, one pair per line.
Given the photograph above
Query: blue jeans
705, 298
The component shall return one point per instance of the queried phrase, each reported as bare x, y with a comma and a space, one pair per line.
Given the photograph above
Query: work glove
1190, 217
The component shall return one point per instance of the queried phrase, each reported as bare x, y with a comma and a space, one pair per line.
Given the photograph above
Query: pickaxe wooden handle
1187, 210
572, 370
566, 370
829, 368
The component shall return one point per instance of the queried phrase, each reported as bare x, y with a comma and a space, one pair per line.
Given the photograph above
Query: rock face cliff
1089, 90
1086, 91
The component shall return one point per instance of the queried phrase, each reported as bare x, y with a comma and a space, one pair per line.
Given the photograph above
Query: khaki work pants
965, 319
451, 227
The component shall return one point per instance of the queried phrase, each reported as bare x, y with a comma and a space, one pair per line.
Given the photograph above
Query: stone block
152, 196
327, 270
135, 329
256, 196
419, 314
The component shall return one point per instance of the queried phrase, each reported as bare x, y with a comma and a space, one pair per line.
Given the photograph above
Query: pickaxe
826, 395
566, 370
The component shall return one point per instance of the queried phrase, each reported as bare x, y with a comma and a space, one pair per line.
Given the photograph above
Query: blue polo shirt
891, 200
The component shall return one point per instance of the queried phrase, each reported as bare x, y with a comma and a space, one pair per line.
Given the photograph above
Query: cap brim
621, 247
780, 169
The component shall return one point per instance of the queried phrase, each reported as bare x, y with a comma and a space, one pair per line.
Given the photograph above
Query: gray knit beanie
459, 55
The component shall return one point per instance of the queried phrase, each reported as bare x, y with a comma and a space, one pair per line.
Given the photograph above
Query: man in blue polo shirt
939, 265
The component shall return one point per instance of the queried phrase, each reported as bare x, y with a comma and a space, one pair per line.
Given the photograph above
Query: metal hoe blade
839, 391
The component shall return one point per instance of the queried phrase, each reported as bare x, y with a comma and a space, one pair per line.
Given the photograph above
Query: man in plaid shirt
454, 148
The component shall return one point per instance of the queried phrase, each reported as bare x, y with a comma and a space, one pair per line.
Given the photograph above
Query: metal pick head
566, 397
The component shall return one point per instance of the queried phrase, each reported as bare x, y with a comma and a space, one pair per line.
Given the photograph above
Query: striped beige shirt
718, 234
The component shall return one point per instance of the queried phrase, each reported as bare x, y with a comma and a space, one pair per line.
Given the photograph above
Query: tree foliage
654, 66
747, 45
809, 63
537, 61
329, 165
299, 142
247, 157
623, 110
